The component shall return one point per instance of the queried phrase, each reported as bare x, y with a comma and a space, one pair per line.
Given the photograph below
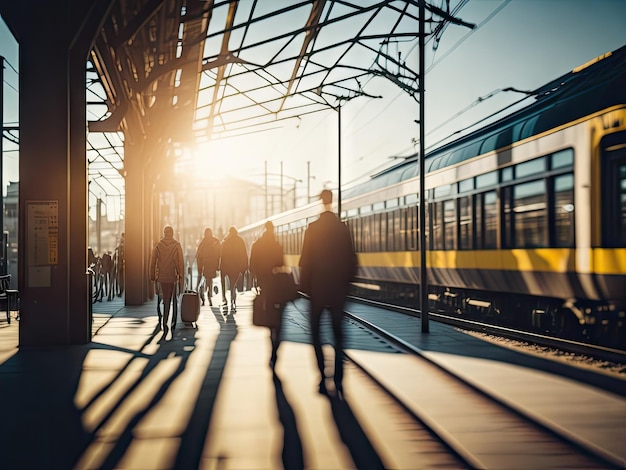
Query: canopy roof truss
184, 71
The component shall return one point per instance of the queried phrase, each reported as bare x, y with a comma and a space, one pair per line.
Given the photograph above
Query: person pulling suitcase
167, 268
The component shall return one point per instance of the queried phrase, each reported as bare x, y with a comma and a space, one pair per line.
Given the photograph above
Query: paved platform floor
205, 397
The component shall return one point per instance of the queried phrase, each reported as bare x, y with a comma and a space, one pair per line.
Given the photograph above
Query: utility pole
266, 202
422, 156
339, 161
308, 182
282, 195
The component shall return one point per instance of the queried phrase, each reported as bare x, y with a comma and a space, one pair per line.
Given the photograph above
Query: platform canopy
189, 71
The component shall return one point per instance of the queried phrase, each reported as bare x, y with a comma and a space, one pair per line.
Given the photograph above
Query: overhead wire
455, 46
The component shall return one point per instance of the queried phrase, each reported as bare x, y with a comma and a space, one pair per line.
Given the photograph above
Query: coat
265, 254
208, 256
233, 256
167, 264
328, 262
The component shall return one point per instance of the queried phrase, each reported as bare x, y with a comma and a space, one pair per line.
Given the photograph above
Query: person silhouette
167, 267
265, 255
328, 264
208, 259
233, 263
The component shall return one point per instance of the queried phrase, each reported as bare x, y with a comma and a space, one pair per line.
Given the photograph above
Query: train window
436, 221
529, 215
466, 185
466, 231
365, 209
353, 229
489, 144
390, 236
443, 190
532, 167
434, 163
529, 127
450, 226
564, 158
411, 228
506, 174
356, 238
467, 152
399, 230
384, 236
517, 131
487, 220
353, 212
410, 199
488, 179
564, 210
375, 228
392, 203
378, 206
614, 191
366, 233
504, 138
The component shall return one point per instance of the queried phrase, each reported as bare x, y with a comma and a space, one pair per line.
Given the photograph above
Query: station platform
206, 397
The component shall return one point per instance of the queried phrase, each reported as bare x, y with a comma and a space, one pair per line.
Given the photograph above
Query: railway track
573, 347
477, 429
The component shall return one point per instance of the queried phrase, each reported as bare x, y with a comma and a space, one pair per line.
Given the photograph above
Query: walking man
167, 267
328, 264
265, 255
233, 263
208, 258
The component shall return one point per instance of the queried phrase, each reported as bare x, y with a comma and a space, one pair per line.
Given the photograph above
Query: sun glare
216, 161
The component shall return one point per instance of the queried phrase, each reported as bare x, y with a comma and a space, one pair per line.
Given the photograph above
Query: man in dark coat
265, 255
233, 264
208, 258
328, 264
167, 268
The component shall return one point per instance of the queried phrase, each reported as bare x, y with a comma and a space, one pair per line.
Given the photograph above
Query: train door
614, 191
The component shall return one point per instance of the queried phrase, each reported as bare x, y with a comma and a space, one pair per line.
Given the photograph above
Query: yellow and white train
526, 217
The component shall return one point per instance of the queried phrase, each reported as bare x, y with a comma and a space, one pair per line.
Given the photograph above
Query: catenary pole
421, 158
339, 161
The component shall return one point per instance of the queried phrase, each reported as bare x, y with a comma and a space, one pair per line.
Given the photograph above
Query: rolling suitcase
189, 306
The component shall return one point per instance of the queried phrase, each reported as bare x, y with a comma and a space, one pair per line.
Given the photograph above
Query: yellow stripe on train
559, 260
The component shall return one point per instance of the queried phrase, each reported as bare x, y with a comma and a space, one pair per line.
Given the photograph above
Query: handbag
264, 313
283, 287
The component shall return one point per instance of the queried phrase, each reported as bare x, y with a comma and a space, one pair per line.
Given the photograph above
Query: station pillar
54, 42
136, 225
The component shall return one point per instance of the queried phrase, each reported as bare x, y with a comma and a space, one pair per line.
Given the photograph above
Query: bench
8, 297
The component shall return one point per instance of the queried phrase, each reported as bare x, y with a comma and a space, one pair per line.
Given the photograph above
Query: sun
221, 160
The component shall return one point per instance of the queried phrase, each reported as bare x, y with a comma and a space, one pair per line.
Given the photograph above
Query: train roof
585, 90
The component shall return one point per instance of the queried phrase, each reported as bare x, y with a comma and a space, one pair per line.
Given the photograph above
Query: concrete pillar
54, 40
136, 225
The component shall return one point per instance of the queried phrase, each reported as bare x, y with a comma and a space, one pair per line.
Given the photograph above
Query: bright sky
517, 43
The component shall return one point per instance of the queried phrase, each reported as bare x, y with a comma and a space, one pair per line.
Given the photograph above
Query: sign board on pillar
42, 225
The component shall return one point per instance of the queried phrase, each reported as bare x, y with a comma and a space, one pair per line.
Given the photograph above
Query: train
525, 216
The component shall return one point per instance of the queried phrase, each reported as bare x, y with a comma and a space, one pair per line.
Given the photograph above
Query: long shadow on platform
292, 455
44, 424
353, 436
194, 436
